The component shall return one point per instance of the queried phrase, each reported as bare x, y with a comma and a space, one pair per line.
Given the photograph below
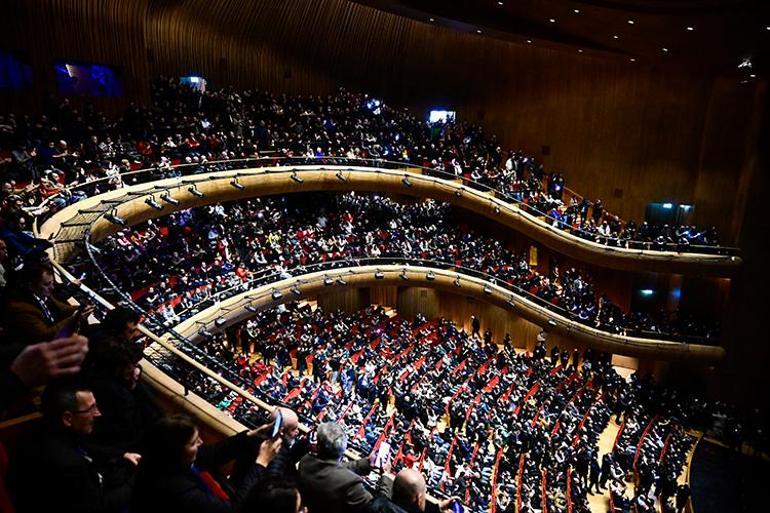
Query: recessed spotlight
529, 41
752, 76
431, 20
632, 59
664, 49
767, 27
576, 11
580, 50
615, 36
631, 22
478, 31
690, 28
552, 20
499, 3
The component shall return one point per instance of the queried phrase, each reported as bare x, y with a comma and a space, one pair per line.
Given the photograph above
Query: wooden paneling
350, 300
611, 124
101, 31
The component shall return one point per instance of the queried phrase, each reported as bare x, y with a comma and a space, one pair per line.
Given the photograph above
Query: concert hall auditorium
384, 256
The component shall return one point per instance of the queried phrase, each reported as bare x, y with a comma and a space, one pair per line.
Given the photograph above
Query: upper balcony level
196, 185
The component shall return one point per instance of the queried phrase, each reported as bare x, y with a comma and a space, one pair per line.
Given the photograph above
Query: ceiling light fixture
615, 36
690, 28
576, 11
631, 22
529, 41
665, 50
552, 20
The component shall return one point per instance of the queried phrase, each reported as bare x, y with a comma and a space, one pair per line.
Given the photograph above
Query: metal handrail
156, 172
266, 276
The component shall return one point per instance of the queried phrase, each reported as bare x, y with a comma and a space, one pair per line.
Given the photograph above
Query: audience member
179, 473
325, 484
55, 469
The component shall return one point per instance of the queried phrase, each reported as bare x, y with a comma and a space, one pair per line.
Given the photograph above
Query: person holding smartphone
31, 313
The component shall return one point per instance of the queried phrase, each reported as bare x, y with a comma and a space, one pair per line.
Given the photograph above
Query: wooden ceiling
707, 34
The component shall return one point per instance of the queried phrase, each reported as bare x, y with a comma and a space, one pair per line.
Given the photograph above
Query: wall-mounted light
487, 290
251, 308
340, 176
403, 275
378, 275
166, 196
235, 183
220, 322
430, 276
328, 282
277, 294
296, 291
457, 281
406, 181
115, 219
194, 191
154, 204
296, 177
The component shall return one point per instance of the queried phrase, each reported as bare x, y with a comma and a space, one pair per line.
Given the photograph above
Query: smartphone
383, 453
457, 507
277, 424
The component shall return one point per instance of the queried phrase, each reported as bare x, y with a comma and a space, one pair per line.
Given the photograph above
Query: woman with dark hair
179, 473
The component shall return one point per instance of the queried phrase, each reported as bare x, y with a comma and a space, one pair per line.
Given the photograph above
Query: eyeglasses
90, 409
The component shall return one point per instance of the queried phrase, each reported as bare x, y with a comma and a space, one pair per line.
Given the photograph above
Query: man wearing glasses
56, 469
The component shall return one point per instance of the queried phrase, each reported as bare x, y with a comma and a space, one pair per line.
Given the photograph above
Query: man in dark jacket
53, 469
325, 485
409, 496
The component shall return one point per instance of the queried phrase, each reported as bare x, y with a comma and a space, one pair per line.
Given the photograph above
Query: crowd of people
468, 419
40, 157
171, 264
490, 425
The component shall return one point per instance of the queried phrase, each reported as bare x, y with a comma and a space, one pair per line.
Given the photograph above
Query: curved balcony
134, 204
225, 311
100, 216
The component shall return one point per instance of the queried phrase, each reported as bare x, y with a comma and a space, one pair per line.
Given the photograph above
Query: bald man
292, 449
409, 496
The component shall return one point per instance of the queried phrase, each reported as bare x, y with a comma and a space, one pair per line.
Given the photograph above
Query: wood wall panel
349, 300
108, 32
611, 124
